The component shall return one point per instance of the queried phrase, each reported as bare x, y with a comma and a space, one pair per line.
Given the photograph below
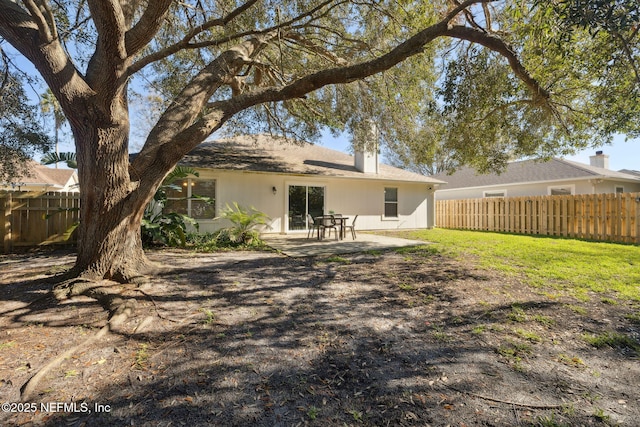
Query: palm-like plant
244, 222
54, 158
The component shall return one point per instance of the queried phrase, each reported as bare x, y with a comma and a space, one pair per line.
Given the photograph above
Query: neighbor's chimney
600, 160
366, 159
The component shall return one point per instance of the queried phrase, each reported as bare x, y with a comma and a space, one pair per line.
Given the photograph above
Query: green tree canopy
585, 53
20, 134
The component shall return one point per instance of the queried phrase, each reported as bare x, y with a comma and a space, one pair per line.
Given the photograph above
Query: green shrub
166, 229
170, 229
244, 221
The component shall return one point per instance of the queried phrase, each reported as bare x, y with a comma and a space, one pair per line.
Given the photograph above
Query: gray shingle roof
262, 153
630, 172
43, 175
530, 171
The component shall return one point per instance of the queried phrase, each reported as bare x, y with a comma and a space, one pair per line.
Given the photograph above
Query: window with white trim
494, 193
564, 190
619, 189
390, 202
185, 200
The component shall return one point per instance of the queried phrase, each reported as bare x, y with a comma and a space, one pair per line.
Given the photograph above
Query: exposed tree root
507, 402
74, 287
156, 307
119, 311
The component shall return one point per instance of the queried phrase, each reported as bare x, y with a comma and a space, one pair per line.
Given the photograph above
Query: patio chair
313, 226
351, 227
329, 223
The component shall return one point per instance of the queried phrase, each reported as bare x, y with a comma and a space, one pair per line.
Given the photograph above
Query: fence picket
605, 217
32, 219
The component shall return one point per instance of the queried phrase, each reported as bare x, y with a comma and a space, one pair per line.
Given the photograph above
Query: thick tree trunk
111, 202
110, 247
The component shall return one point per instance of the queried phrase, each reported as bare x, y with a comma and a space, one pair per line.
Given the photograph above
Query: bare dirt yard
394, 338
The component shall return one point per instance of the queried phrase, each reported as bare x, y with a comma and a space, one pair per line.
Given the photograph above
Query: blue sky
622, 154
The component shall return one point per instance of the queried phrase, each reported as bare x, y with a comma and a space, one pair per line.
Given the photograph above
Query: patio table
341, 221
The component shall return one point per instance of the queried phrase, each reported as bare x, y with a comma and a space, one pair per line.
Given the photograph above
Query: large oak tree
265, 64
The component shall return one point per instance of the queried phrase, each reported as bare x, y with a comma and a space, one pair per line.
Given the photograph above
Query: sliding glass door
304, 200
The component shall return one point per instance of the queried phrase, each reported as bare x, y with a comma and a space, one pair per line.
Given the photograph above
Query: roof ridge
581, 166
297, 157
598, 171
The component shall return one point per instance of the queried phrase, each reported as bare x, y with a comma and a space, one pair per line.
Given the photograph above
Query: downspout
431, 205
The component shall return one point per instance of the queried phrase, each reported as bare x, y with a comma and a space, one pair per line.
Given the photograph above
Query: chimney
600, 160
366, 158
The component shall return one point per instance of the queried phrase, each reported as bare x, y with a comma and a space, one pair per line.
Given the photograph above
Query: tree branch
18, 27
106, 69
184, 43
148, 25
629, 55
191, 101
110, 25
540, 94
185, 135
43, 18
223, 110
469, 16
195, 133
301, 41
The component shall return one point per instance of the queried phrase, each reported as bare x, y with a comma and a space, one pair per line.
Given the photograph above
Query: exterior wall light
274, 189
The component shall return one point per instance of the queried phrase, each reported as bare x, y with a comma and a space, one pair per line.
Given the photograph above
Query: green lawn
570, 265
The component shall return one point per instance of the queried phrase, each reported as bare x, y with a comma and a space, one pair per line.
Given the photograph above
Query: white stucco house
538, 178
44, 178
288, 181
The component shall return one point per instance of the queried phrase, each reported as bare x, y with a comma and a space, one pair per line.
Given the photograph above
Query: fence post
637, 206
7, 223
628, 209
618, 218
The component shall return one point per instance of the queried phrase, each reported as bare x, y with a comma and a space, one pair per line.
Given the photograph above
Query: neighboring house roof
267, 154
527, 171
41, 175
630, 172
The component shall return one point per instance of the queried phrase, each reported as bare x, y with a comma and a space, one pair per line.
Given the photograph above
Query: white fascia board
515, 184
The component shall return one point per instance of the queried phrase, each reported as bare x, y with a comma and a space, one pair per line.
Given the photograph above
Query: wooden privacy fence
32, 219
606, 217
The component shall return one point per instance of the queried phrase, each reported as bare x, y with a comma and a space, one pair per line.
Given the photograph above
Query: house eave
548, 181
33, 184
365, 177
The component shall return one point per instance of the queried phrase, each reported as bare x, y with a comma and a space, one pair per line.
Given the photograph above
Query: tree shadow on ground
373, 339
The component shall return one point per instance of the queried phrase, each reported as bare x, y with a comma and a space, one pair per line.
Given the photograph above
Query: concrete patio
297, 245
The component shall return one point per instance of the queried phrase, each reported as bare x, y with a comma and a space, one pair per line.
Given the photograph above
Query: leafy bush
242, 233
221, 240
168, 229
244, 222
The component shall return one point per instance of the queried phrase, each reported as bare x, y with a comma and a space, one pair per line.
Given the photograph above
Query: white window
494, 193
561, 190
619, 189
190, 200
390, 202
